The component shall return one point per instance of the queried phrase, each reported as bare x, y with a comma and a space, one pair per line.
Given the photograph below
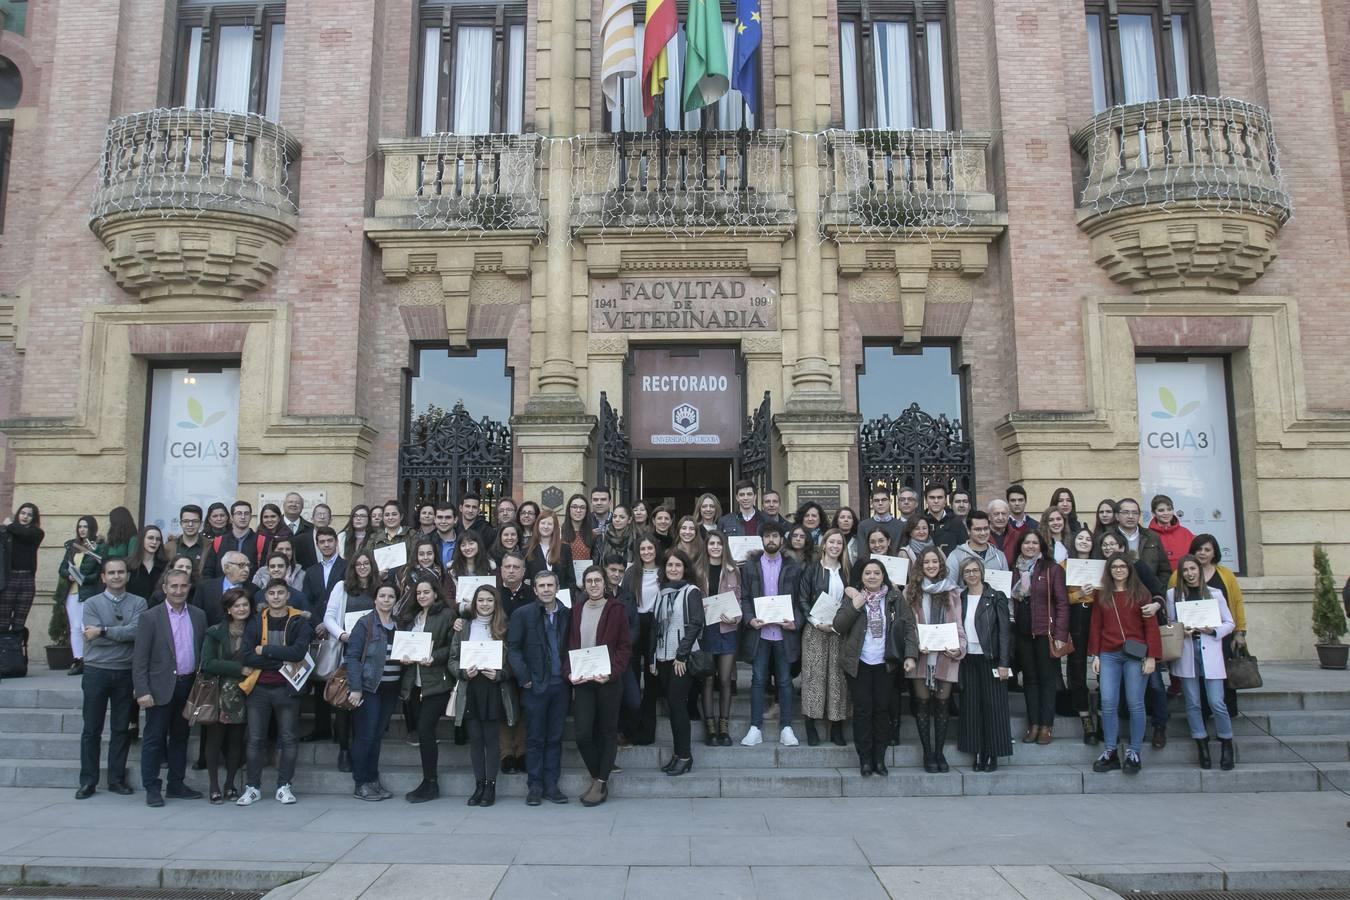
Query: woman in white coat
1201, 664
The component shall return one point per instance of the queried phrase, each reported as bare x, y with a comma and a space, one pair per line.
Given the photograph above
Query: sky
890, 382
480, 381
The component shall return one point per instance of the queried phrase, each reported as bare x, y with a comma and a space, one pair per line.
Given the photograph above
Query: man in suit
292, 508
535, 643
320, 579
212, 588
163, 666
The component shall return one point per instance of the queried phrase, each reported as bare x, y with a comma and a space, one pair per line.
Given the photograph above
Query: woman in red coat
597, 621
1175, 537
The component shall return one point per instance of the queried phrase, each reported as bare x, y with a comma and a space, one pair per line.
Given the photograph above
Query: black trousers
639, 725
676, 689
426, 713
106, 689
871, 690
595, 716
1040, 678
231, 739
166, 737
1080, 621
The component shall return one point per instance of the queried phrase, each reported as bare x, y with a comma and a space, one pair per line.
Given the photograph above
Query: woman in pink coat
1201, 664
934, 599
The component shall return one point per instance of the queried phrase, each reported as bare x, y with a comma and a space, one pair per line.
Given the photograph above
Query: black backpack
14, 653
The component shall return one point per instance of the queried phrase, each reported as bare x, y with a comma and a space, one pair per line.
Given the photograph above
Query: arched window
11, 84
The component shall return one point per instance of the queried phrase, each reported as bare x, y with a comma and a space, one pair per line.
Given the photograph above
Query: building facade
404, 248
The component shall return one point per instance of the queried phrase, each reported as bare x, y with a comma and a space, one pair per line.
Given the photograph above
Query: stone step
706, 781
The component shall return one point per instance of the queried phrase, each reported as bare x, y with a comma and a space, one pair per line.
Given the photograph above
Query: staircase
1292, 735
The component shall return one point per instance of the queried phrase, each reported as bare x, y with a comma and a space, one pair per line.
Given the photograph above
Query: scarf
917, 546
876, 620
618, 541
934, 607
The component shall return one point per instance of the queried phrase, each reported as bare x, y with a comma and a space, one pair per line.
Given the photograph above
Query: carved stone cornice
757, 254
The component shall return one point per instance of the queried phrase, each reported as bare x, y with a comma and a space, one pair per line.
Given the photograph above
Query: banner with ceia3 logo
191, 456
1185, 449
685, 401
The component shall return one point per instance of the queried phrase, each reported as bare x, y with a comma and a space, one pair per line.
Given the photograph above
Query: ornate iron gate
613, 465
756, 456
914, 450
448, 454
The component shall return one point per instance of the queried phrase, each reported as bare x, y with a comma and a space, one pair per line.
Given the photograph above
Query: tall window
1144, 55
893, 66
727, 114
472, 78
6, 142
230, 57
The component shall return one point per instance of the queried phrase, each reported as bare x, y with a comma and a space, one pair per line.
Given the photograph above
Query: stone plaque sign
627, 305
685, 401
827, 495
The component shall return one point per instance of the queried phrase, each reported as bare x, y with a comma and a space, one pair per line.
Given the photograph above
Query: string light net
177, 161
1214, 153
682, 183
473, 183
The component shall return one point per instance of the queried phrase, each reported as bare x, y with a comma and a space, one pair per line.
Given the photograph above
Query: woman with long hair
217, 521
824, 690
270, 522
915, 537
677, 623
1055, 533
25, 535
598, 620
426, 682
1041, 614
373, 687
708, 510
1081, 597
470, 558
1201, 667
223, 658
662, 528
1205, 548
877, 542
147, 563
689, 541
643, 582
423, 565
932, 598
1125, 647
846, 522
720, 639
354, 594
811, 516
76, 581
577, 532
1104, 521
548, 552
984, 728
526, 515
619, 539
509, 539
798, 545
642, 514
120, 542
353, 538
1061, 498
486, 698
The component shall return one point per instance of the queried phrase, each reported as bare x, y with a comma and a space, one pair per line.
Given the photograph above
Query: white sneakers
284, 794
752, 738
250, 796
787, 738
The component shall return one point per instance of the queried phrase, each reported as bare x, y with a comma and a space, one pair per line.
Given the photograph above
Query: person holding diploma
985, 729
643, 582
824, 690
677, 624
486, 698
600, 621
470, 558
425, 682
373, 687
536, 643
1205, 548
1124, 646
1201, 663
354, 594
932, 597
877, 627
1080, 621
1041, 613
769, 573
719, 639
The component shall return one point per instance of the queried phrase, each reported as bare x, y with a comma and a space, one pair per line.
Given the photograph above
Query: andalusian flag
655, 61
706, 76
619, 57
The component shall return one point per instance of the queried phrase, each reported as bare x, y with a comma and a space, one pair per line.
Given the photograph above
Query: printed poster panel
191, 456
686, 402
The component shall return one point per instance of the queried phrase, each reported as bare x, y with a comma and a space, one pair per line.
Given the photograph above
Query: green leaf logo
195, 410
1168, 401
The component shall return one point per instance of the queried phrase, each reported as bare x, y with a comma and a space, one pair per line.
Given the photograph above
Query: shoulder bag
1173, 636
337, 690
1243, 672
203, 701
1066, 647
1131, 648
700, 663
328, 652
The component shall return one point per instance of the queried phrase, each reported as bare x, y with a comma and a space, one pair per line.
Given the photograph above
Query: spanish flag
661, 24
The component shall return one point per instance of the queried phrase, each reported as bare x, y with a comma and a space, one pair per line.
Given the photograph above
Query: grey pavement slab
853, 882
459, 882
947, 882
632, 850
660, 883
1041, 882
271, 845
112, 843
564, 883
341, 882
824, 849
422, 847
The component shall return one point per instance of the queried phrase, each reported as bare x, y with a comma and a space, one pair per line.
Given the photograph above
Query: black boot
1089, 729
940, 720
1226, 754
489, 794
921, 721
812, 736
344, 761
1202, 751
710, 732
477, 797
426, 791
837, 734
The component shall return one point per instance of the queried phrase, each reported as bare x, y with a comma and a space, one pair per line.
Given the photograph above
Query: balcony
683, 183
468, 184
1182, 194
194, 202
905, 182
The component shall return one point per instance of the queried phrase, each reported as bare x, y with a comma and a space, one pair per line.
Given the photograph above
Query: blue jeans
1117, 667
369, 721
1155, 698
771, 653
1190, 689
166, 737
544, 717
104, 688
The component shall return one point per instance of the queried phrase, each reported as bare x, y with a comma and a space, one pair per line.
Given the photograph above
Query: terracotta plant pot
1333, 656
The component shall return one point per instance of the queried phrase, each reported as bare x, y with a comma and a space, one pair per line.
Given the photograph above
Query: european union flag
745, 59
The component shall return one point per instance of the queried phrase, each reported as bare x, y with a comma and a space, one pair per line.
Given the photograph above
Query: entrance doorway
677, 483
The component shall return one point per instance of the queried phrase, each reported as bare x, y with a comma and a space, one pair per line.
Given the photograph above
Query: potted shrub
59, 656
1328, 618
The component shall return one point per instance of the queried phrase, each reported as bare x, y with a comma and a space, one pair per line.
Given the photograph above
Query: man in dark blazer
163, 665
292, 509
319, 581
535, 644
213, 587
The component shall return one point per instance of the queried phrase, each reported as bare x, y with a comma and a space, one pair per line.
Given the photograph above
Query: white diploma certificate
822, 612
1078, 572
774, 610
297, 673
935, 638
579, 566
466, 585
999, 580
349, 621
480, 655
1199, 613
565, 597
414, 645
589, 662
897, 568
719, 605
391, 557
741, 546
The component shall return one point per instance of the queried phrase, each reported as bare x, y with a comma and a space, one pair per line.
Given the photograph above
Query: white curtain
194, 63
431, 81
937, 76
273, 107
1096, 63
731, 110
515, 80
630, 106
890, 54
473, 81
1180, 58
1138, 58
848, 81
234, 67
627, 116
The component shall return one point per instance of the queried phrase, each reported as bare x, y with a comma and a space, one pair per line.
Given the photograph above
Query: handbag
327, 653
700, 664
1173, 637
203, 701
1065, 647
1243, 672
337, 691
1131, 648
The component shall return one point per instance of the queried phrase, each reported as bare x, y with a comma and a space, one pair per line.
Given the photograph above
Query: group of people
609, 610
